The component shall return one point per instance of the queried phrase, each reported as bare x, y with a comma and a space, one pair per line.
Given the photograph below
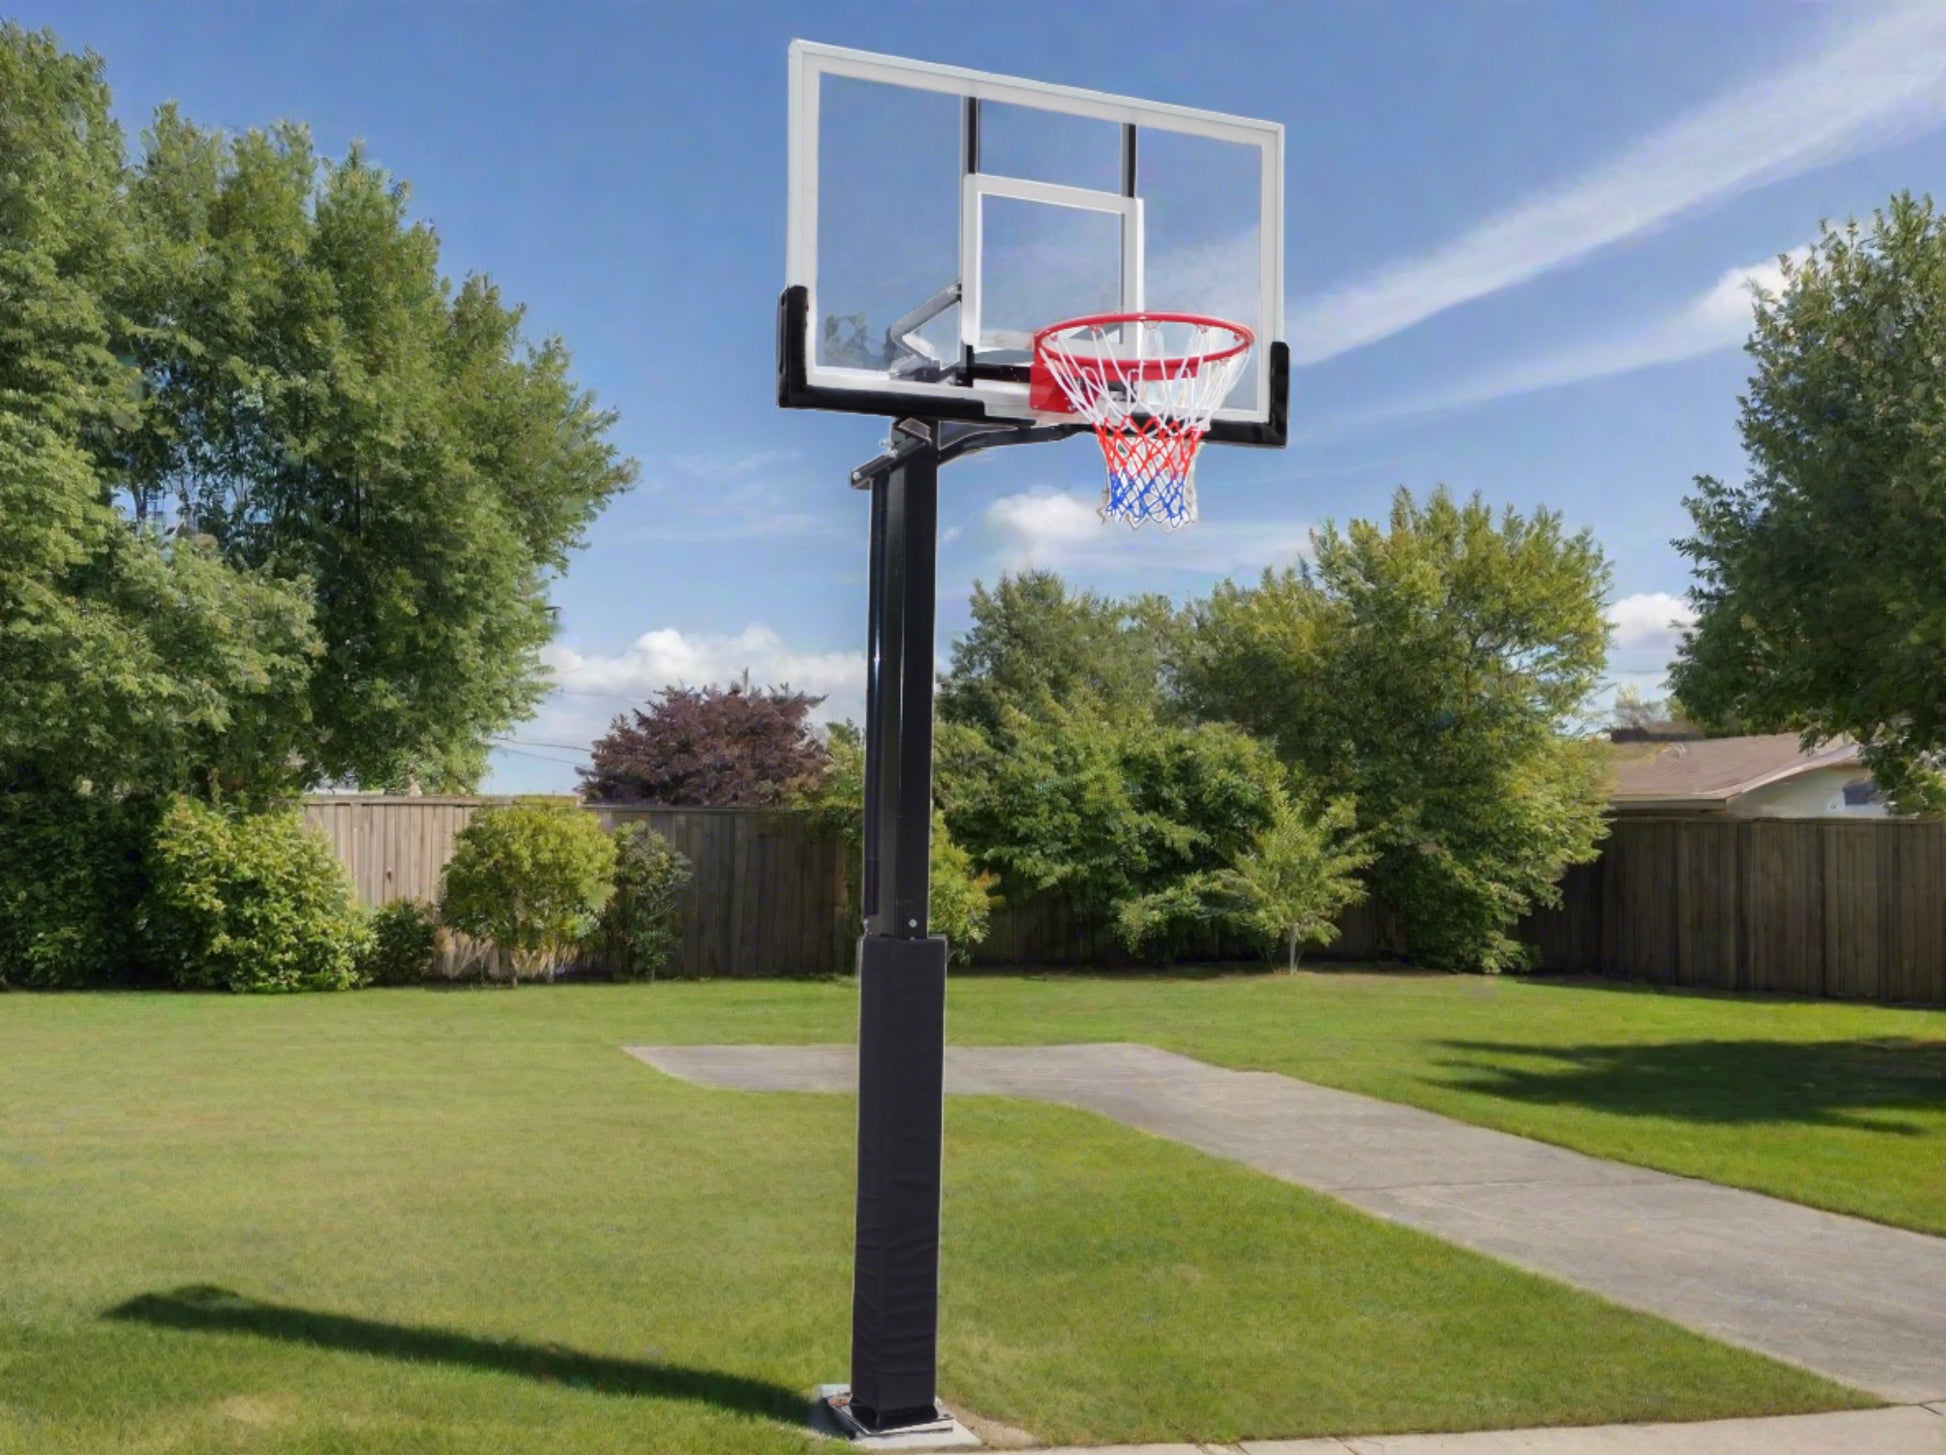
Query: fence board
1912, 912
1783, 884
1706, 904
1851, 908
1638, 900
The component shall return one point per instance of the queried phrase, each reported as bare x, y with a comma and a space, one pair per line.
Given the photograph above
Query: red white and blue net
1150, 384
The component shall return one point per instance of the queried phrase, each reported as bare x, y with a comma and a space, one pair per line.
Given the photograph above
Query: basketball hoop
1149, 383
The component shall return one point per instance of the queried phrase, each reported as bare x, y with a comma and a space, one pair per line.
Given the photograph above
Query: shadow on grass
1627, 985
1139, 973
1817, 1083
205, 1309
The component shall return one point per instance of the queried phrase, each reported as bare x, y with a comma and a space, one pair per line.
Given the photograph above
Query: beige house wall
1819, 793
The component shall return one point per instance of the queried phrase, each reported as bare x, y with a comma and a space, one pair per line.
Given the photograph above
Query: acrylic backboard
939, 216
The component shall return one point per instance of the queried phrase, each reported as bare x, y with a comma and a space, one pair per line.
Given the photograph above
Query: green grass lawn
466, 1222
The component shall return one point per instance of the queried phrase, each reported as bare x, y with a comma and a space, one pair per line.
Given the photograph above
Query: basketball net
1149, 383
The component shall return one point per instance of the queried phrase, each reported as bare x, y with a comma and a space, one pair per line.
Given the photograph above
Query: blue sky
1517, 243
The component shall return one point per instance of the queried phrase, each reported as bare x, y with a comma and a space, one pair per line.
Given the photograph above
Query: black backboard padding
794, 392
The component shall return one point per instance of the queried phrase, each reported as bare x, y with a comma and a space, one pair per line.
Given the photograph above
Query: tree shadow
202, 1308
1858, 1083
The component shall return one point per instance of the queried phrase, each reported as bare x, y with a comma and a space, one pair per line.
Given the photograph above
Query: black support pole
901, 967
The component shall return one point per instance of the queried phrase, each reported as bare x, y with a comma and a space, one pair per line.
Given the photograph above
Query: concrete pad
1859, 1302
945, 1433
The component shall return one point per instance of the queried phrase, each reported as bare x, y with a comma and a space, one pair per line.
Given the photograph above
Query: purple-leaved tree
709, 747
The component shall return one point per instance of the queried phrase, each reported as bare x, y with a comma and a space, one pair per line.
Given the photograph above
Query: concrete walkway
1898, 1431
1861, 1303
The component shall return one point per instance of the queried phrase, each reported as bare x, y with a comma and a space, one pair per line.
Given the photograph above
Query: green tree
1301, 874
959, 897
959, 893
641, 925
1109, 809
1820, 582
1034, 639
1429, 668
132, 660
530, 877
323, 405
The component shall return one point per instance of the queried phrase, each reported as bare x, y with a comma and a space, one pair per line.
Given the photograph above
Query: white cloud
667, 658
1061, 530
1876, 82
1718, 318
1649, 624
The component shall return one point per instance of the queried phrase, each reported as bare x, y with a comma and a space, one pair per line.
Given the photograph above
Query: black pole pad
901, 1103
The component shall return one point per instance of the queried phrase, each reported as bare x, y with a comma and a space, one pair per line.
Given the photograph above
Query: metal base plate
830, 1416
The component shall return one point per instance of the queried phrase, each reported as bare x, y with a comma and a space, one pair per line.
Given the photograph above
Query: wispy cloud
732, 464
1059, 529
1718, 318
748, 511
1877, 81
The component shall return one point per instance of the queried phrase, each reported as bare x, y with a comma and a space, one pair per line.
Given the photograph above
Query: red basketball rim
1152, 369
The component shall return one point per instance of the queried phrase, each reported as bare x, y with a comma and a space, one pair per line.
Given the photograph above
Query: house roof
1709, 772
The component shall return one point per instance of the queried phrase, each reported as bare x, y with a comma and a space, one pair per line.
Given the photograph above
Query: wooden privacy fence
767, 897
1851, 908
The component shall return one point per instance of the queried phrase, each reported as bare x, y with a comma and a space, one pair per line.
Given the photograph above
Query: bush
248, 902
532, 878
404, 943
70, 868
1109, 810
1286, 890
642, 924
961, 896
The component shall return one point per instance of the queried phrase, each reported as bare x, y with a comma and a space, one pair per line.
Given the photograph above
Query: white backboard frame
810, 62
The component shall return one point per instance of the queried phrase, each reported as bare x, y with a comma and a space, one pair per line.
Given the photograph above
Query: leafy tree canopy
1288, 888
1428, 667
1821, 579
326, 407
277, 503
1034, 639
713, 747
131, 659
1109, 808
